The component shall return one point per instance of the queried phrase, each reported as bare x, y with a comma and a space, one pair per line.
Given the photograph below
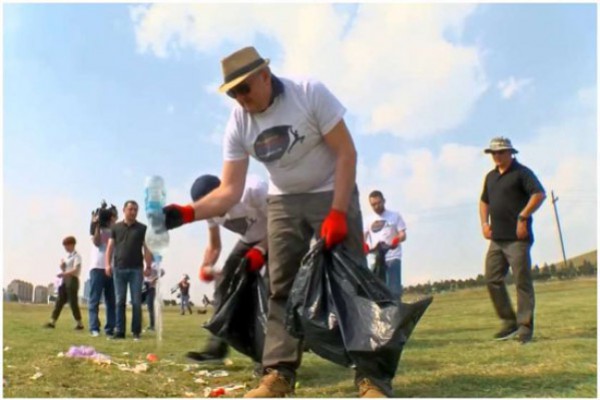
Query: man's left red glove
256, 259
395, 242
334, 228
176, 215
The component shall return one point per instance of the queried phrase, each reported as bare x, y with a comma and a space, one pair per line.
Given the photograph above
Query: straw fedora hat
500, 143
239, 65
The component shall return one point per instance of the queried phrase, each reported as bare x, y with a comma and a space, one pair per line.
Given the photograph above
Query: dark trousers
293, 221
67, 293
500, 256
150, 295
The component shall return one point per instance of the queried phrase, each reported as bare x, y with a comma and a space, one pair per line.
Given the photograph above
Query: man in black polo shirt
511, 194
127, 242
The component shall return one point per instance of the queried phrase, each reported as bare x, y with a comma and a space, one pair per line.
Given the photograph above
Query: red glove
366, 248
176, 215
395, 242
206, 274
256, 259
334, 228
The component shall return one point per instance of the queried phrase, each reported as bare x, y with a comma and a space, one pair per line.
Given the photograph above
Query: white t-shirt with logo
288, 137
248, 218
383, 228
98, 254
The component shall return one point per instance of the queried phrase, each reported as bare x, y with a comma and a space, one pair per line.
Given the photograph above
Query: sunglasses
499, 152
241, 89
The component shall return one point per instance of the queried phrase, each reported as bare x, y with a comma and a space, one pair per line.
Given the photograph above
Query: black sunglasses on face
499, 152
242, 89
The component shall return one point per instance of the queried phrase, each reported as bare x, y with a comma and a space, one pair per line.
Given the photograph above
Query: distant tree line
546, 272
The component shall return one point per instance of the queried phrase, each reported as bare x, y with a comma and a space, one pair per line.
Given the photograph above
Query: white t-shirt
98, 254
383, 228
73, 261
288, 137
248, 218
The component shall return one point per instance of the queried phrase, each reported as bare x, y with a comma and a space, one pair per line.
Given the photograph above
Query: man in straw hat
296, 128
511, 194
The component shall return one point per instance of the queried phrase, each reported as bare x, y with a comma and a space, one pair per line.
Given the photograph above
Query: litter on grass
86, 352
222, 390
36, 376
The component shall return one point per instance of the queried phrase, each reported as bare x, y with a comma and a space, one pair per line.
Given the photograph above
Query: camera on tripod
104, 214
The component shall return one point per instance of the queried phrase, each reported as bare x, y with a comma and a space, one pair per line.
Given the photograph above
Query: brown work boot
273, 384
367, 389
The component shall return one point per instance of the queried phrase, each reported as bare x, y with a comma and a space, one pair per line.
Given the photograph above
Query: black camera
104, 214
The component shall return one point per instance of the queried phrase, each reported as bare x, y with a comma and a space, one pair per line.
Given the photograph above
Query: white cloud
393, 67
511, 86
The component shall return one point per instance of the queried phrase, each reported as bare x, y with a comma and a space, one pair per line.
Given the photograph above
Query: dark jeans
134, 278
394, 276
151, 294
100, 284
500, 256
185, 303
67, 293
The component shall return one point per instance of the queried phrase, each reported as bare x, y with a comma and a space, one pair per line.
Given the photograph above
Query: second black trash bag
241, 316
348, 316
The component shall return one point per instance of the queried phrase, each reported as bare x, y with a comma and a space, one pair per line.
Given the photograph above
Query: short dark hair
69, 240
130, 202
376, 193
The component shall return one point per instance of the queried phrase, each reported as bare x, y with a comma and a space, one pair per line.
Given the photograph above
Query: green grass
449, 355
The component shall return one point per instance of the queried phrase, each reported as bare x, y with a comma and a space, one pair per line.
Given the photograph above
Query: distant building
40, 295
52, 289
23, 290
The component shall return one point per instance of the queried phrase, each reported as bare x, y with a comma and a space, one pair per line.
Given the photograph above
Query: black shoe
117, 336
506, 333
205, 357
50, 325
79, 327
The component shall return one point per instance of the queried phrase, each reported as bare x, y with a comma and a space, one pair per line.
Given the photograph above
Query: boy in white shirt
70, 276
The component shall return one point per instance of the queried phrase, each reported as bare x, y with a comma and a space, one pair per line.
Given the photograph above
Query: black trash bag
347, 315
241, 316
380, 269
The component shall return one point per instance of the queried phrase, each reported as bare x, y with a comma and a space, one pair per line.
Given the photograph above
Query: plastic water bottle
157, 236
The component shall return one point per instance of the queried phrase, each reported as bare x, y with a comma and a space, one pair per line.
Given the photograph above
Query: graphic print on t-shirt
378, 225
239, 225
271, 144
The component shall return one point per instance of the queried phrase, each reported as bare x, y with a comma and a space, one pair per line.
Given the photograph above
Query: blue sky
98, 96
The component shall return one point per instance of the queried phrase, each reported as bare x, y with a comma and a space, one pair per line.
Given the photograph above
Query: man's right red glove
334, 228
176, 215
206, 274
366, 248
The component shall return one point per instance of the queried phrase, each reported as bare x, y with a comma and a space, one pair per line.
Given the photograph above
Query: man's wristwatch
522, 218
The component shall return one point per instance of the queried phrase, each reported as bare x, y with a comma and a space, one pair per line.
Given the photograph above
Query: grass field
449, 355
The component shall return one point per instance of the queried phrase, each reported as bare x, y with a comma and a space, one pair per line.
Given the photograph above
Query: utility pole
562, 244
